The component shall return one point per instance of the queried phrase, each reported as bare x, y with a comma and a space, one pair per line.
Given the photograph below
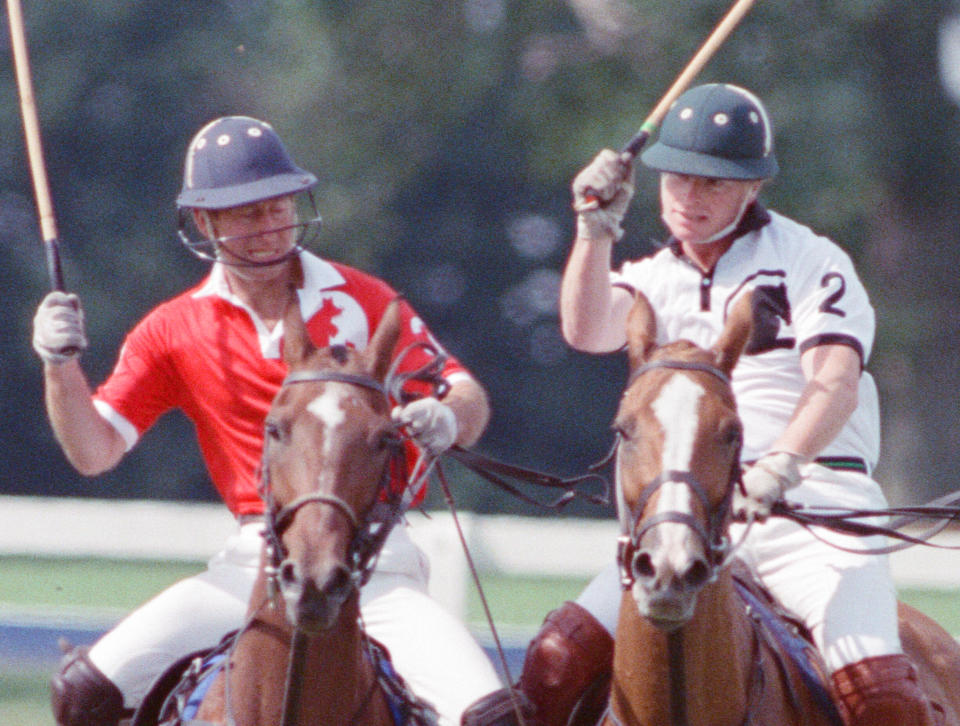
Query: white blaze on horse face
676, 410
329, 409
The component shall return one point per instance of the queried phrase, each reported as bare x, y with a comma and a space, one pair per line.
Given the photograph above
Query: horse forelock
683, 350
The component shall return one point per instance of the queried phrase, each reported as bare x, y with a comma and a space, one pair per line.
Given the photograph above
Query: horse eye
624, 431
731, 435
272, 430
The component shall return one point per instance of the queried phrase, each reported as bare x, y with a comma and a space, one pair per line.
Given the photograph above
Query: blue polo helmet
237, 160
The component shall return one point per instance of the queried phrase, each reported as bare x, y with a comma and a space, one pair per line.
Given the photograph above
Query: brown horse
328, 453
686, 649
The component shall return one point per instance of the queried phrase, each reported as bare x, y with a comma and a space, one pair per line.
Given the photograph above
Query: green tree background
445, 135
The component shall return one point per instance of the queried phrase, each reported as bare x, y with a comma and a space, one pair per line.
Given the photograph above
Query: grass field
107, 588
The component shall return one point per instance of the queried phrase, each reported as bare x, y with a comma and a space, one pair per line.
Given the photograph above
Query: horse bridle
712, 536
368, 532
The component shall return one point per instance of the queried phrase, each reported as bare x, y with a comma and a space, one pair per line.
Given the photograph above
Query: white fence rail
560, 546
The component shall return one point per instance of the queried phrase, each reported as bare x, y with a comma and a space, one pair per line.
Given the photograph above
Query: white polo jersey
806, 293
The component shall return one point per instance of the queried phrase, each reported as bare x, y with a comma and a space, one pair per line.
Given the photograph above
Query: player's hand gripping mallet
31, 127
715, 40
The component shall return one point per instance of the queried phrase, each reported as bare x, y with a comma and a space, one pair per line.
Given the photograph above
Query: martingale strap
776, 632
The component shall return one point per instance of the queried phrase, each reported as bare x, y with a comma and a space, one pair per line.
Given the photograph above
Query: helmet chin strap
241, 261
210, 246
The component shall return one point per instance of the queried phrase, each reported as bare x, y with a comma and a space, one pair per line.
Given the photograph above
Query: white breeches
847, 600
430, 648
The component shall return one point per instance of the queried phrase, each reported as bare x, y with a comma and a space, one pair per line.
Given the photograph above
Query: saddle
175, 697
168, 695
790, 639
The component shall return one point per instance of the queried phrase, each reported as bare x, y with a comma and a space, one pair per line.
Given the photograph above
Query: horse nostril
643, 566
697, 574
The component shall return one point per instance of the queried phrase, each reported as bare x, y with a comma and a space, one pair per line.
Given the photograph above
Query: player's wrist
592, 227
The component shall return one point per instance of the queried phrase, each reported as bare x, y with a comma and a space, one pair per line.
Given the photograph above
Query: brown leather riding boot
569, 655
883, 691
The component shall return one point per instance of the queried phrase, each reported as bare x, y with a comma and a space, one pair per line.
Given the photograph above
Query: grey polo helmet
715, 130
238, 160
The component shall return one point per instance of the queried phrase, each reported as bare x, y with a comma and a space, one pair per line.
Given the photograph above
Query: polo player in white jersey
809, 409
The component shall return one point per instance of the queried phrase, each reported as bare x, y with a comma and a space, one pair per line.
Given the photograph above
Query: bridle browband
678, 365
355, 379
713, 536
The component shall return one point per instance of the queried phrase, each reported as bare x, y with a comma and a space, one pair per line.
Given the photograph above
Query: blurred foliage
445, 135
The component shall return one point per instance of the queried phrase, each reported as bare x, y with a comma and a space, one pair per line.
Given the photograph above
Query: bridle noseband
368, 532
632, 531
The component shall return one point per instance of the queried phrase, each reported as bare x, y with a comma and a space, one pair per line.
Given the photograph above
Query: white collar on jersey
318, 275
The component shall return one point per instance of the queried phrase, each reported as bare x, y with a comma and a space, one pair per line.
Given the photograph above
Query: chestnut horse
329, 449
687, 651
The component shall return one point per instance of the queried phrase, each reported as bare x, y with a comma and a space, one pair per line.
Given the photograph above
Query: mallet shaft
31, 127
696, 64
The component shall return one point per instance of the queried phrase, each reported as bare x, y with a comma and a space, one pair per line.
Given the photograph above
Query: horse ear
641, 330
296, 340
379, 352
735, 333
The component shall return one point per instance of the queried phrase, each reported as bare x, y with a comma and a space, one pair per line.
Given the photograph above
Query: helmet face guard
234, 161
206, 248
716, 130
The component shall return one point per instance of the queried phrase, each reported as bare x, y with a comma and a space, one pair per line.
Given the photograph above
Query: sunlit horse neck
328, 453
685, 652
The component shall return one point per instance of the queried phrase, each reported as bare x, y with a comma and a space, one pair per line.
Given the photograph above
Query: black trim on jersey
626, 286
833, 339
745, 282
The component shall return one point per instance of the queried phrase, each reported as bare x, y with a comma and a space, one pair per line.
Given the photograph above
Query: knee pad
81, 695
564, 662
882, 691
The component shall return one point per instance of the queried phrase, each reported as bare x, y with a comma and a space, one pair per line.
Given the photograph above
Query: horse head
329, 449
677, 463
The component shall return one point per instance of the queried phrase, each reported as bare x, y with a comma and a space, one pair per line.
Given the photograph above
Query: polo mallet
696, 64
714, 40
31, 128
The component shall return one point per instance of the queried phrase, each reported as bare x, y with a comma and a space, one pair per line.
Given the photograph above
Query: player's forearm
90, 443
469, 403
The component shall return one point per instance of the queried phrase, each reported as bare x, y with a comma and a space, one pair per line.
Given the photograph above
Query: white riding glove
58, 329
432, 424
601, 196
765, 483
